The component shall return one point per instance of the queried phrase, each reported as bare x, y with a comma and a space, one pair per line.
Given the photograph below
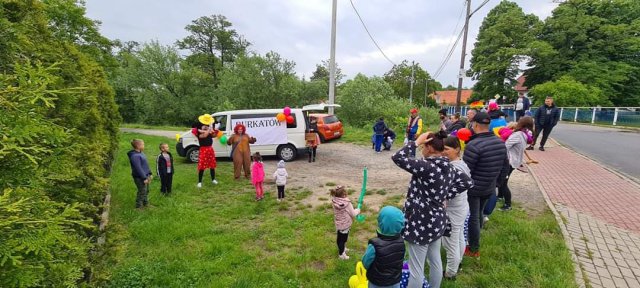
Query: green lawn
220, 237
164, 127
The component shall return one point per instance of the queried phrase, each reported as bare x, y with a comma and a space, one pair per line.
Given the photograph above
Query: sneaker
344, 256
472, 254
541, 148
485, 220
346, 250
505, 208
214, 181
199, 185
279, 200
447, 276
529, 148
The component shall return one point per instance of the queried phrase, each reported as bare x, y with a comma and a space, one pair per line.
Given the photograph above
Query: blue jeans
379, 139
491, 204
392, 286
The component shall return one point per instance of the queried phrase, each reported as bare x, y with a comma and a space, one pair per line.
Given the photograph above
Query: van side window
221, 122
295, 122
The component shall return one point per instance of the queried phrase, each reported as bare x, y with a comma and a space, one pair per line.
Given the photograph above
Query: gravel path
340, 163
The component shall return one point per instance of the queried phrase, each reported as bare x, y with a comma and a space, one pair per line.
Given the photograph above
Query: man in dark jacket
378, 132
389, 136
546, 117
485, 155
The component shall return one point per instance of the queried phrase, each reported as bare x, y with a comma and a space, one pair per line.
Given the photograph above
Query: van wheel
193, 154
287, 152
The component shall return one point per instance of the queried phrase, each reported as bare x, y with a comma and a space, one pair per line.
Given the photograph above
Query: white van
273, 138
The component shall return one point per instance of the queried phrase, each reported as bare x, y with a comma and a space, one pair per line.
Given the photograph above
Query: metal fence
616, 116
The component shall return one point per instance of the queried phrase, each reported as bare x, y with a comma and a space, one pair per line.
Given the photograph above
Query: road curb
565, 234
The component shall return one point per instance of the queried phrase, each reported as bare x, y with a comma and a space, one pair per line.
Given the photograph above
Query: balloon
361, 216
223, 139
281, 117
496, 131
177, 137
287, 111
360, 279
290, 119
464, 134
220, 134
462, 144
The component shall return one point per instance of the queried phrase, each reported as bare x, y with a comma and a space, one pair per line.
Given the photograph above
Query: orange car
329, 126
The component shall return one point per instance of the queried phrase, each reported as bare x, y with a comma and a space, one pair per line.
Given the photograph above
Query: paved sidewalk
599, 213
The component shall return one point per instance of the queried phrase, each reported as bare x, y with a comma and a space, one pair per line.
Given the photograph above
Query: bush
365, 99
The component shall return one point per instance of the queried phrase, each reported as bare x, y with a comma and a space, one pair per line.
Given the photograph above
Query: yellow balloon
353, 282
360, 279
496, 130
177, 137
462, 145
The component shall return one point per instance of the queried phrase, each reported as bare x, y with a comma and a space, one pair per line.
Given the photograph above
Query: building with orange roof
449, 97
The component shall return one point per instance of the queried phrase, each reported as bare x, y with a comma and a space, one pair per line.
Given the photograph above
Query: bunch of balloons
360, 279
285, 115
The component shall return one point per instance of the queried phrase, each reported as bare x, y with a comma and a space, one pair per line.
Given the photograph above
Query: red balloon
290, 119
464, 134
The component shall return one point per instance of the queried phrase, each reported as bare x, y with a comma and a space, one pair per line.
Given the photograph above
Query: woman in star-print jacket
433, 181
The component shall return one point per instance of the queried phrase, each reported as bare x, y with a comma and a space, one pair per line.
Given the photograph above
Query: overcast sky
300, 30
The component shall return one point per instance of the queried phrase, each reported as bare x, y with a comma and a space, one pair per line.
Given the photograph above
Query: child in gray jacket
281, 179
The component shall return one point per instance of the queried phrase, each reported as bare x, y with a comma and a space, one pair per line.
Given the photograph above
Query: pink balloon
287, 111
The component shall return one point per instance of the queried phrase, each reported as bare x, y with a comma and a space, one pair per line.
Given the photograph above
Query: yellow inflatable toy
360, 279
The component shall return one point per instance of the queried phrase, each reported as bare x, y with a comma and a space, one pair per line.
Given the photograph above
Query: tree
256, 81
501, 46
399, 79
323, 70
566, 91
365, 99
213, 43
594, 42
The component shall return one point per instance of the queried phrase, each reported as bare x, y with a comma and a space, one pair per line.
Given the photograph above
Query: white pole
615, 117
411, 83
575, 117
561, 111
332, 64
593, 116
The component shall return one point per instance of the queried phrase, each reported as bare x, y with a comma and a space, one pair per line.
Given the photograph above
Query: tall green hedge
58, 128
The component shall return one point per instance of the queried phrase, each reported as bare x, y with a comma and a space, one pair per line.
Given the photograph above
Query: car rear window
330, 119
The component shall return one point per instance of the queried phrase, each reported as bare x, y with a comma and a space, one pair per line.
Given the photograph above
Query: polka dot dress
207, 159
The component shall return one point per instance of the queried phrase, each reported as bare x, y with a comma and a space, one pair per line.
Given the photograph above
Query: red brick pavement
581, 184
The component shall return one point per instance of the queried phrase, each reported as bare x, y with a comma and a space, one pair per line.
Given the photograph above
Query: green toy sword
361, 216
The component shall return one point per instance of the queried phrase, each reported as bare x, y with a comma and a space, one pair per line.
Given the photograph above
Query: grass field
164, 127
219, 236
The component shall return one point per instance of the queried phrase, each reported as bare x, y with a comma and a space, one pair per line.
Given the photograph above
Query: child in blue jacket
385, 254
140, 172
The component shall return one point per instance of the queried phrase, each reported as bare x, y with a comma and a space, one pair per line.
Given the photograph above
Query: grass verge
219, 236
145, 126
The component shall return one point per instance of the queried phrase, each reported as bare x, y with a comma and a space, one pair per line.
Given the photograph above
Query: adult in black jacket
546, 117
457, 124
389, 137
485, 155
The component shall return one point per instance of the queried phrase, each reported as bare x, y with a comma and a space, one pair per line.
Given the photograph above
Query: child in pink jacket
344, 214
257, 175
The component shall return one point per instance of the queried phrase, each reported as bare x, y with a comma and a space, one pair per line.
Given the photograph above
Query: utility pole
426, 90
464, 51
332, 61
411, 82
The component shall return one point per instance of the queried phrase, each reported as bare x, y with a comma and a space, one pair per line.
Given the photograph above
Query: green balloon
223, 139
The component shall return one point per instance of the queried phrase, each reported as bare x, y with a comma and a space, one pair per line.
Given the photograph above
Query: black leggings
201, 173
504, 188
280, 192
312, 153
342, 241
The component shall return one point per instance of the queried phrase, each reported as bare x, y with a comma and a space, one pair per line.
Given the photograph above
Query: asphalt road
616, 148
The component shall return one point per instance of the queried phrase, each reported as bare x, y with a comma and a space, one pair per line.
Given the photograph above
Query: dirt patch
525, 191
342, 164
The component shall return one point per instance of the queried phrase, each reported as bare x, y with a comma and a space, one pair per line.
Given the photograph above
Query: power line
454, 32
365, 28
448, 57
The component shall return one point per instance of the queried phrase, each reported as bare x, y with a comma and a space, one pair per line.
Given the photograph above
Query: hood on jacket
390, 221
281, 164
130, 153
340, 203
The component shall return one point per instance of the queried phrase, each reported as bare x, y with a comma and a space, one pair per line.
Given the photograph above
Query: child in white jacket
281, 179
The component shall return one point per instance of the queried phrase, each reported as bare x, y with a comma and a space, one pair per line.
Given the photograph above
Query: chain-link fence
617, 116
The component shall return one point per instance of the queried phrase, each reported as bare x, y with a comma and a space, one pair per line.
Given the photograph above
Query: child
385, 253
281, 179
457, 209
140, 172
344, 214
257, 175
312, 145
164, 167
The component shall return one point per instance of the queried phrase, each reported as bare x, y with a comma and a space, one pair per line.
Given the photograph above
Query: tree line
585, 54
